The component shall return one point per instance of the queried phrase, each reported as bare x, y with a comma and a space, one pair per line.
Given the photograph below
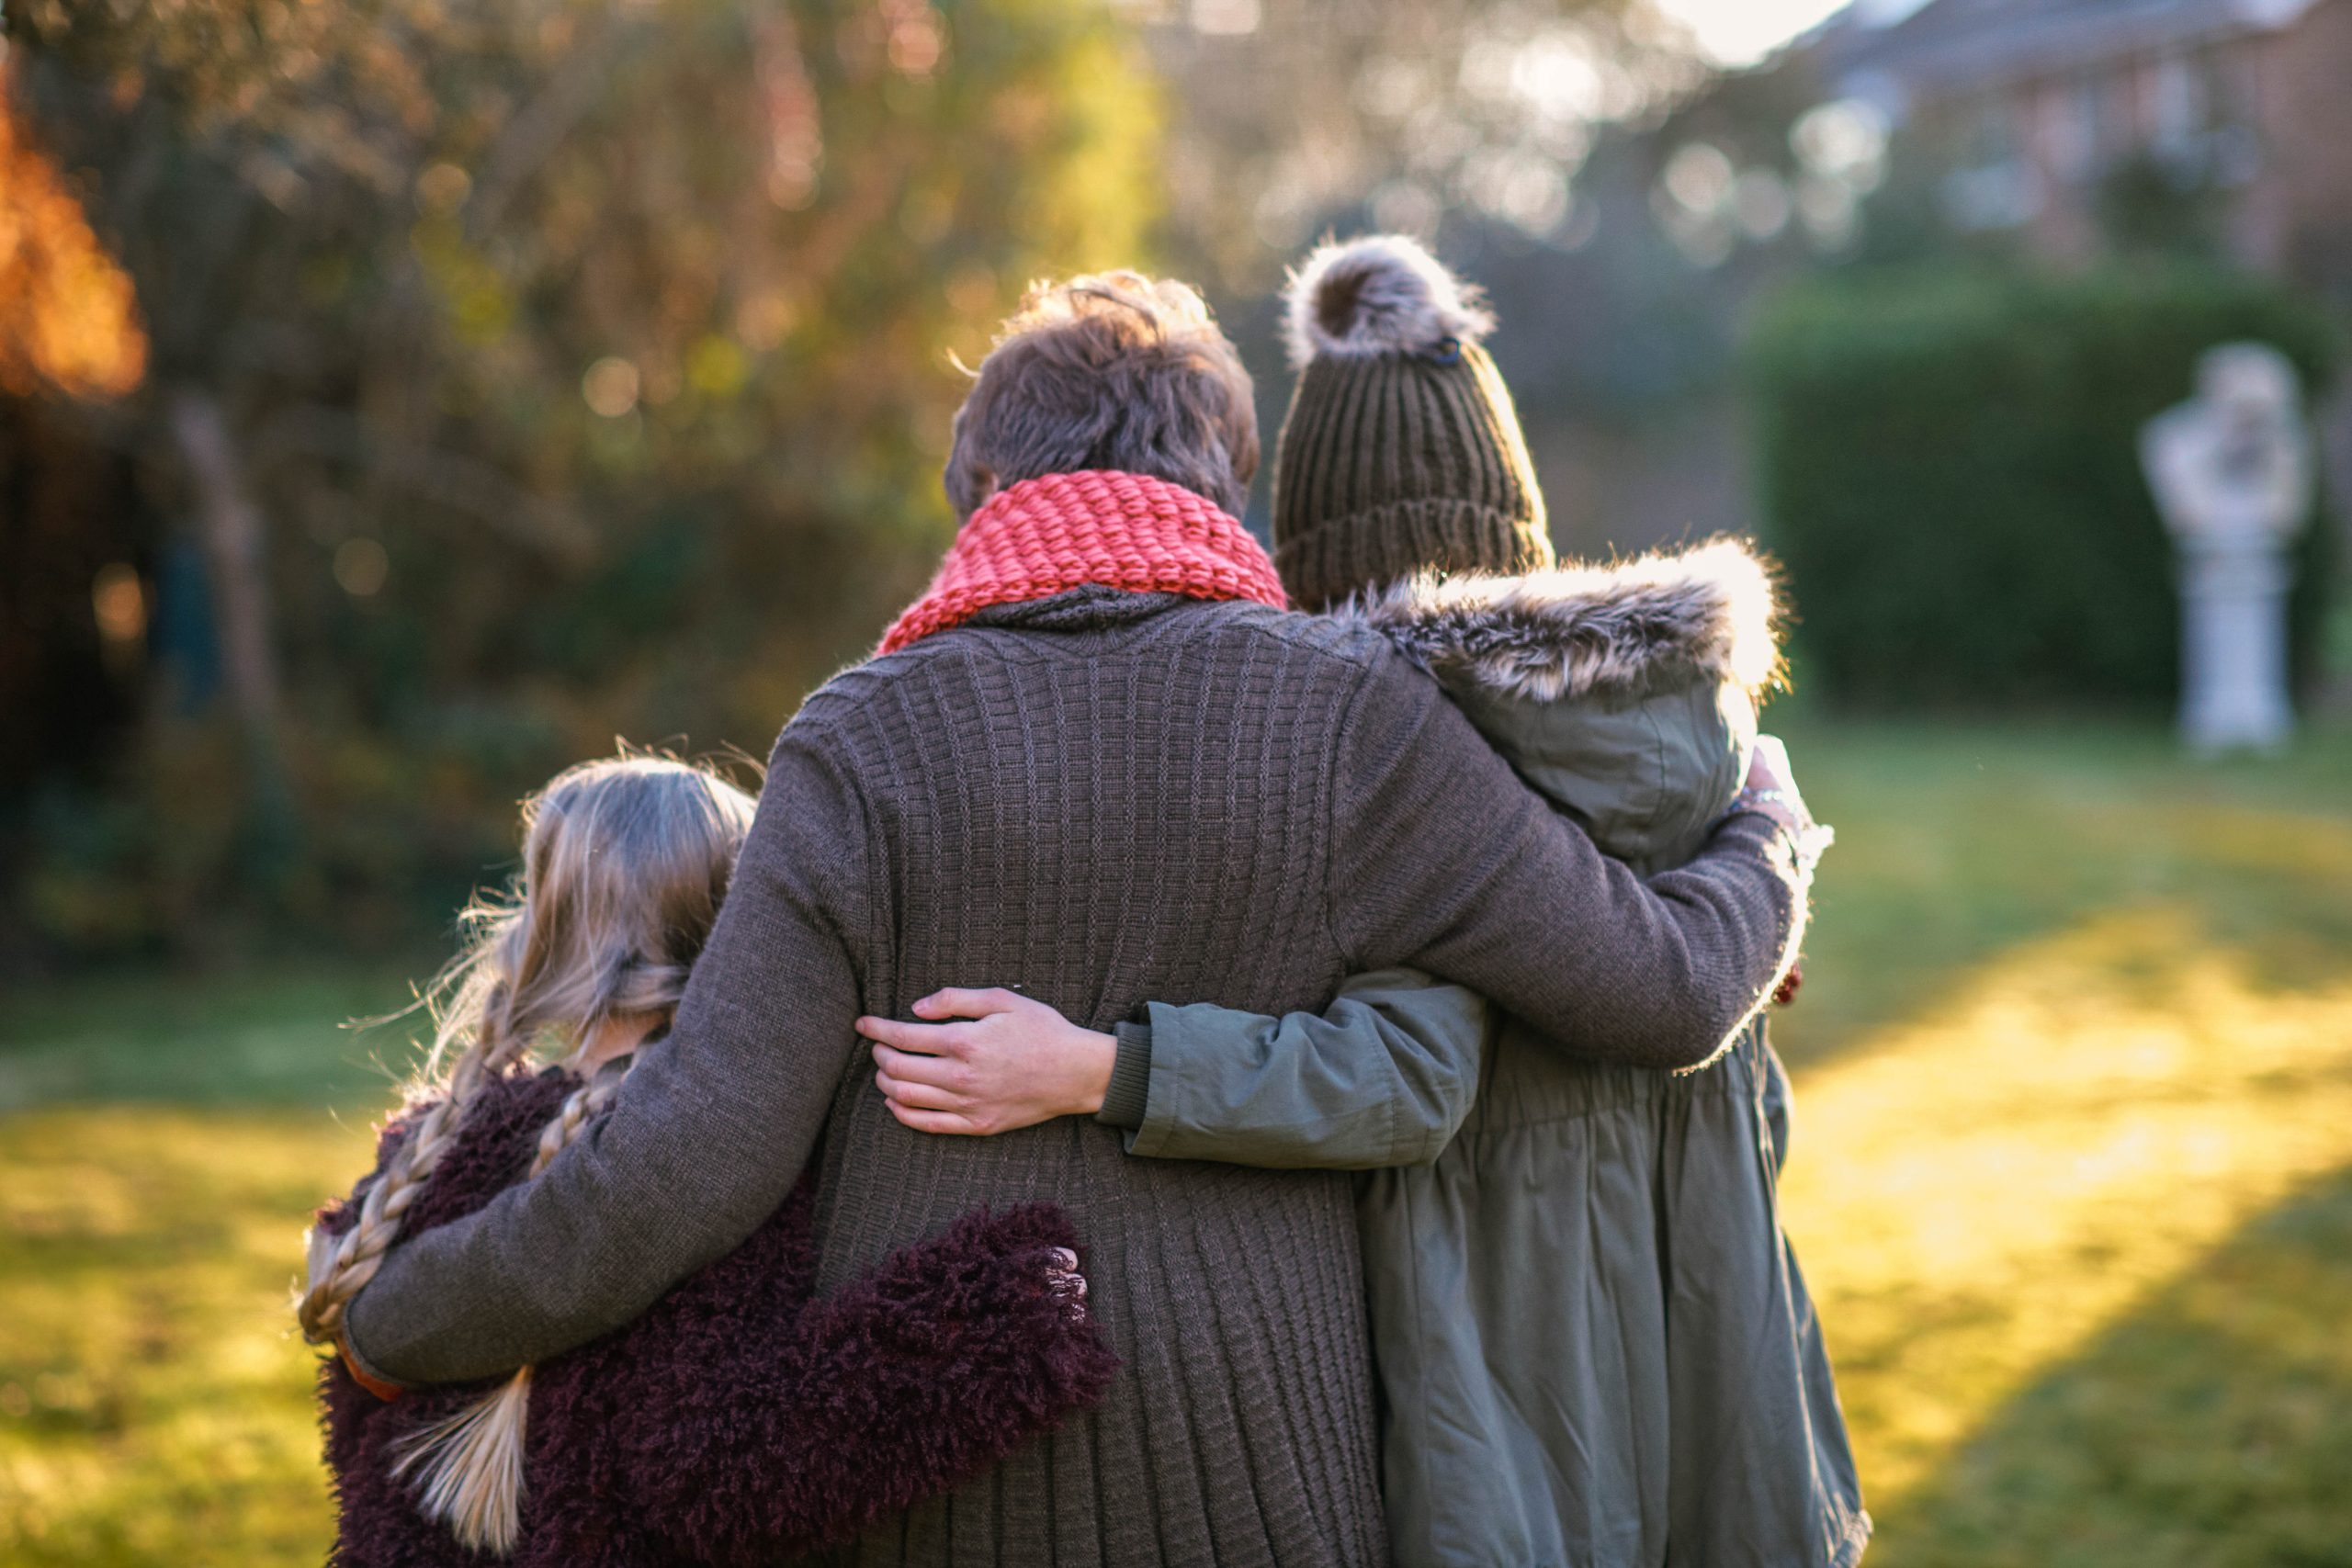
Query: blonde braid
581, 1106
468, 1466
340, 1267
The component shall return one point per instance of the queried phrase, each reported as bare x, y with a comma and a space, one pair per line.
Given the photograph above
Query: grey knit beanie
1401, 451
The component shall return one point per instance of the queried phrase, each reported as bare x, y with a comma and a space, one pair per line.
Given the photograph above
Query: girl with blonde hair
737, 1418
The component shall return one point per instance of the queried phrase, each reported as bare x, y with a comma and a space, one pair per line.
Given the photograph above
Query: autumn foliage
68, 317
517, 375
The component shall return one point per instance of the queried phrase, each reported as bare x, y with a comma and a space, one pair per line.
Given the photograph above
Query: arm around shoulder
1441, 857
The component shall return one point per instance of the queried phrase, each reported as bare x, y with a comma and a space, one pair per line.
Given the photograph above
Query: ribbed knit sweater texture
1101, 798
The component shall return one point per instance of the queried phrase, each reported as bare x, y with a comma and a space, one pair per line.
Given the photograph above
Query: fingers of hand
955, 1001
931, 1039
1065, 1284
923, 1120
942, 1073
916, 1096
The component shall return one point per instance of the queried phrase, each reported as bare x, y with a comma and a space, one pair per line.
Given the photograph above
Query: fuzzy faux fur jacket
738, 1421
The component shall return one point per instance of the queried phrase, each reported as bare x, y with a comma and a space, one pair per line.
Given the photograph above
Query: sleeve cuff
1130, 1089
363, 1373
1797, 849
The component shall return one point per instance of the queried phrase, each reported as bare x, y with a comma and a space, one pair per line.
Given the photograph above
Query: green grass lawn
2072, 1178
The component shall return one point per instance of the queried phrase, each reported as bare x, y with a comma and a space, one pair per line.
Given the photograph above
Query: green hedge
1949, 466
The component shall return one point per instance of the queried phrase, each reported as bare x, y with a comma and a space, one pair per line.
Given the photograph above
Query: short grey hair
1115, 370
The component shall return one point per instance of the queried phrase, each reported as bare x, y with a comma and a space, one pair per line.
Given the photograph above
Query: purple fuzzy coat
738, 1421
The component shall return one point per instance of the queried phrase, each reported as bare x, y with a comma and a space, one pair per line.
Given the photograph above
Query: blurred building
2071, 132
2052, 117
2078, 127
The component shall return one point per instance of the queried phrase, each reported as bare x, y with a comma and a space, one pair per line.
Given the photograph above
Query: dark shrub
1948, 465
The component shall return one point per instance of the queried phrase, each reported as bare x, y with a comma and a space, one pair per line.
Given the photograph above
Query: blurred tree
525, 373
1289, 115
69, 318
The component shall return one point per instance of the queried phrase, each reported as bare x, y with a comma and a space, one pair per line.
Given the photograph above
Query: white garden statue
2232, 469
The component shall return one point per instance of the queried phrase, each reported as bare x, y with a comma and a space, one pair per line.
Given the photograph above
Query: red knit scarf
1045, 536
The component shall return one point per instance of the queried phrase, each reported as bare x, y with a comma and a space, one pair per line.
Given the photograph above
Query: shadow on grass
2212, 1427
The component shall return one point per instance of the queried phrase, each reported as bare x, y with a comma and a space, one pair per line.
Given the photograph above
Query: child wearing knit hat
1401, 452
1594, 1344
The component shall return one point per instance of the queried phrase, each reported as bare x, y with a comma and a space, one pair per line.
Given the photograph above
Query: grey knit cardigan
1102, 798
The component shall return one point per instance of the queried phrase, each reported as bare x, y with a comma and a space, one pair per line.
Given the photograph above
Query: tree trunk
229, 529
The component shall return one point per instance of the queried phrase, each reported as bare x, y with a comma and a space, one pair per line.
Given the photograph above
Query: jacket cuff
1130, 1089
363, 1373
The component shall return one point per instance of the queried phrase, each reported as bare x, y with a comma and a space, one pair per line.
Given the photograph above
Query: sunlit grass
253, 1039
2071, 1180
2209, 1427
154, 1407
2078, 1014
161, 1145
1984, 1190
1958, 844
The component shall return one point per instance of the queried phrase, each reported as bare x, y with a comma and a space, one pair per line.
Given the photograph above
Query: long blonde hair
625, 863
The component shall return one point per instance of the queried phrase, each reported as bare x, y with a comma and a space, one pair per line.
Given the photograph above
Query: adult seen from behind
1593, 1342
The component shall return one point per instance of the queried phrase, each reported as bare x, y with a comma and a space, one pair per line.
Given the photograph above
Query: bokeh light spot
610, 386
360, 567
119, 602
444, 187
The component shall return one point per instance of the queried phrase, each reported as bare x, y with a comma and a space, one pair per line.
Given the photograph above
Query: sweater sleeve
1442, 858
705, 1139
1383, 1076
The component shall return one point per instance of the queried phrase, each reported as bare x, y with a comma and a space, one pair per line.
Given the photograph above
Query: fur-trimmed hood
1627, 627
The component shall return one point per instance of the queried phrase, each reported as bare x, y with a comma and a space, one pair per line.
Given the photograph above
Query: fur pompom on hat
1401, 452
1380, 294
